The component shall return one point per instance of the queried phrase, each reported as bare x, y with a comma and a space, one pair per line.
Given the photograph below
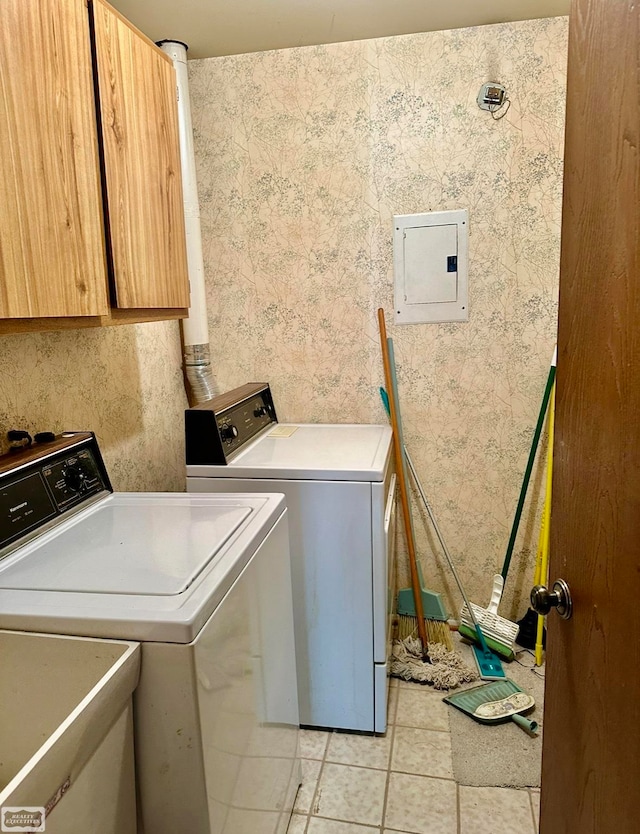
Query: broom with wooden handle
430, 614
489, 665
435, 613
403, 484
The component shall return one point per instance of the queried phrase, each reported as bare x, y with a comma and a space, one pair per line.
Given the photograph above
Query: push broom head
469, 633
499, 633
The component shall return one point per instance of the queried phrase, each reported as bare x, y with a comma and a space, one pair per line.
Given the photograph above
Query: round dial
74, 477
228, 432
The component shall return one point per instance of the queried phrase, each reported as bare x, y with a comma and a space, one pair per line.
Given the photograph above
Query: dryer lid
148, 545
340, 452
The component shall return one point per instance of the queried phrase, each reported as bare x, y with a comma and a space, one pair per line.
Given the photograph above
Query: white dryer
203, 582
339, 484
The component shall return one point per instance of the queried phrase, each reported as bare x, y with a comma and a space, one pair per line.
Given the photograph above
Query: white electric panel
430, 261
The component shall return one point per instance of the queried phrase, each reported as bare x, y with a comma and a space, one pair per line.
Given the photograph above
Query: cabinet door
52, 257
139, 125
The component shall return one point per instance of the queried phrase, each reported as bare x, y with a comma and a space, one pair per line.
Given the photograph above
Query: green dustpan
432, 605
495, 702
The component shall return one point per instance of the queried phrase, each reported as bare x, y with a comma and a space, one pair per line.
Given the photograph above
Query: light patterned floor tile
347, 774
351, 794
420, 708
421, 805
322, 826
310, 772
423, 752
298, 824
498, 810
535, 803
361, 751
313, 743
392, 707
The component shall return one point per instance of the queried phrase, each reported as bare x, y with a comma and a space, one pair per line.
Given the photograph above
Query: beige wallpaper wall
124, 383
303, 157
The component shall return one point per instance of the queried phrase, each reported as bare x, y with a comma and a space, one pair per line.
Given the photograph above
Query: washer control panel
72, 478
241, 423
218, 429
41, 484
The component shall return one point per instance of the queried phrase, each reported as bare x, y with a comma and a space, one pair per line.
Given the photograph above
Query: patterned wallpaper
303, 157
124, 383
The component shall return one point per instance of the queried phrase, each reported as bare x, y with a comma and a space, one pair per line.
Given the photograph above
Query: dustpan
432, 604
496, 702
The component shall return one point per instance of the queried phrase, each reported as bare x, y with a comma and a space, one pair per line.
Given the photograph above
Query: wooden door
52, 256
139, 127
591, 751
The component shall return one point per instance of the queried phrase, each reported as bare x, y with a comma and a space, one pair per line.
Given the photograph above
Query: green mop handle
530, 462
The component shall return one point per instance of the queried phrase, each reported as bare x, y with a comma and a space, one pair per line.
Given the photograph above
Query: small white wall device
491, 96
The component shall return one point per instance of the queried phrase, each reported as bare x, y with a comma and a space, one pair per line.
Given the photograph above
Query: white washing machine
203, 582
339, 485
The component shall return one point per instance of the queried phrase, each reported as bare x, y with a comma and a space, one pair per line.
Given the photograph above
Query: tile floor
402, 782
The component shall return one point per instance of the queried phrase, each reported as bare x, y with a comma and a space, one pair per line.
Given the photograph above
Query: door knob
559, 597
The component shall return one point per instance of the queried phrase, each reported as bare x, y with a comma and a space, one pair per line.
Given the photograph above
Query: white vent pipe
195, 328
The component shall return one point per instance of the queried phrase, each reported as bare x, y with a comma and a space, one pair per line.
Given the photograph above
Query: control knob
75, 478
260, 411
228, 432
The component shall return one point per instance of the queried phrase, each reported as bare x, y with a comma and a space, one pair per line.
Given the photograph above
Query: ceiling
229, 27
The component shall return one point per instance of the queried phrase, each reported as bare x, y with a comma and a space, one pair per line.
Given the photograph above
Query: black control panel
217, 429
72, 478
41, 484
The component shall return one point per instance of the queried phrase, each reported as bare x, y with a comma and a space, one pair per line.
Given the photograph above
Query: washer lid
311, 451
153, 545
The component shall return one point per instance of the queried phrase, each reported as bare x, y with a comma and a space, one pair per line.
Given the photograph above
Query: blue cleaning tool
488, 663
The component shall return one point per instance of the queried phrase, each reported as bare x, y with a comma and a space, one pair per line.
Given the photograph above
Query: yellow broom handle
546, 523
541, 536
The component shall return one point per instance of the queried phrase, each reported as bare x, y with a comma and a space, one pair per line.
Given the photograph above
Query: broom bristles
437, 630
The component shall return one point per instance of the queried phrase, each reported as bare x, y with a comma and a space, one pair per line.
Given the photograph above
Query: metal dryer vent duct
195, 328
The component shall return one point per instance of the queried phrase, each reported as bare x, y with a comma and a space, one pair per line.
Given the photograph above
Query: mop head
447, 670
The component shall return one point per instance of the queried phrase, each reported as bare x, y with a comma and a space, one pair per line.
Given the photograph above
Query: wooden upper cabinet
139, 130
52, 251
91, 212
